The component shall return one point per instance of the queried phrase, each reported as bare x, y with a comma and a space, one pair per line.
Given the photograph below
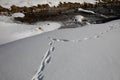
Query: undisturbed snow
87, 53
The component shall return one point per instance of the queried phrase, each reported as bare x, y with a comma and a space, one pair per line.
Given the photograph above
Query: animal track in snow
47, 57
64, 40
50, 43
96, 36
47, 54
40, 77
101, 33
60, 40
52, 49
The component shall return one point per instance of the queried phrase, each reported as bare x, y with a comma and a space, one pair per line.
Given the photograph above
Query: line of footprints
86, 38
46, 60
47, 57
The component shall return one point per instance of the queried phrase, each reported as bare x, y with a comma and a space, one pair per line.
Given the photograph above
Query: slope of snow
8, 3
11, 31
87, 53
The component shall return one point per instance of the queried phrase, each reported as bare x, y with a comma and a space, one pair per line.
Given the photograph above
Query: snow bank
11, 30
86, 53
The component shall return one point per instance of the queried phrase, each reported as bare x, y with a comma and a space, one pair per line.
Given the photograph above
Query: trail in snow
86, 38
47, 57
46, 60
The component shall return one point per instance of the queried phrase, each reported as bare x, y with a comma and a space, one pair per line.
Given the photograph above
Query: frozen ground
87, 53
8, 3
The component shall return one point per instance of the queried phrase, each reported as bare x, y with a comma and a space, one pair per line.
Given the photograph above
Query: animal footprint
101, 33
52, 49
64, 40
43, 66
48, 59
40, 77
106, 31
47, 54
58, 40
96, 36
50, 43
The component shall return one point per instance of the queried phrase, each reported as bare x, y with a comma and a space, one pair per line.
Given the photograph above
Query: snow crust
87, 53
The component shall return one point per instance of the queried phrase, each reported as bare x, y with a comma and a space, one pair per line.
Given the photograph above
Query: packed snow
87, 53
8, 3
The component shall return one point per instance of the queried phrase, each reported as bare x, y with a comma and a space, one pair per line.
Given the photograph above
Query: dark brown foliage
44, 11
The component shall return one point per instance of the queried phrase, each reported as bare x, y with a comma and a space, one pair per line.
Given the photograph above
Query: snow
88, 11
11, 30
18, 15
79, 18
49, 26
8, 3
87, 53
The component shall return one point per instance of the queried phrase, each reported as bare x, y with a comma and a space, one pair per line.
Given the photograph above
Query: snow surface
11, 30
18, 15
88, 11
87, 53
8, 3
79, 18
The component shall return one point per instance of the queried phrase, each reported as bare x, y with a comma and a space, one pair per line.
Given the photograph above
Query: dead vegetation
45, 12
